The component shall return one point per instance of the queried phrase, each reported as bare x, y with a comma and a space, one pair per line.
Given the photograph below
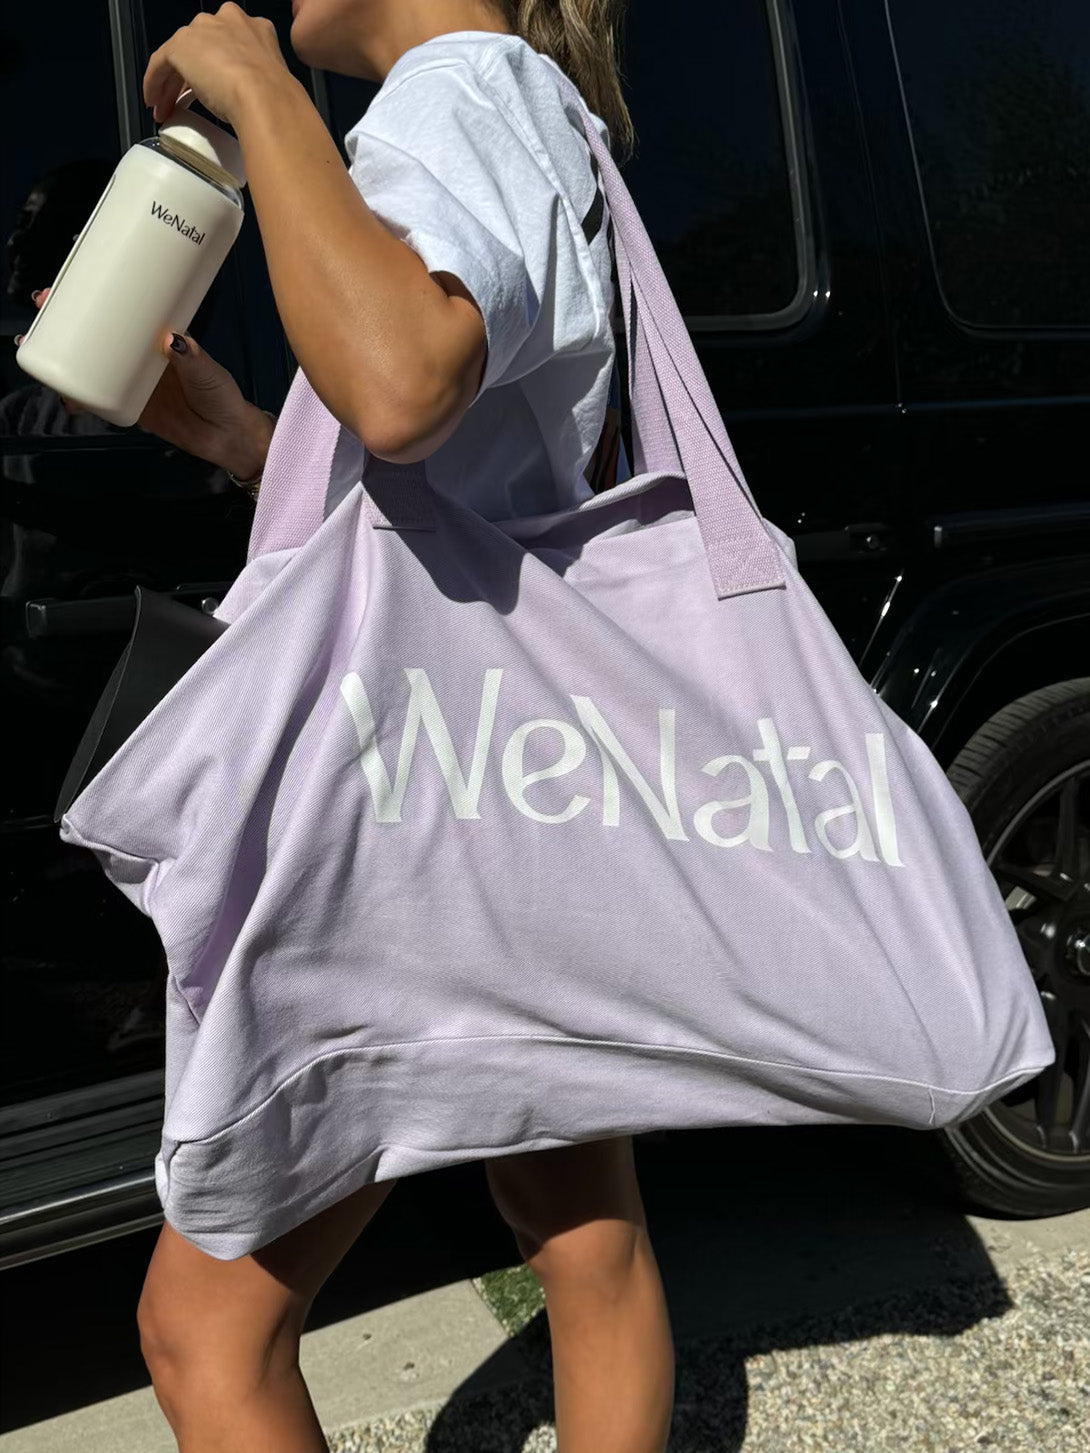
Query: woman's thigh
543, 1193
195, 1308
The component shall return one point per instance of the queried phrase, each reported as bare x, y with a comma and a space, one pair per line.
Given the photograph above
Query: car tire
1025, 778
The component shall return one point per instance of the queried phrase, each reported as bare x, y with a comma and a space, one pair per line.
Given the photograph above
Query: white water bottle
140, 268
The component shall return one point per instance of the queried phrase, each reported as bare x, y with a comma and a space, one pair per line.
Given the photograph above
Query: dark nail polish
178, 343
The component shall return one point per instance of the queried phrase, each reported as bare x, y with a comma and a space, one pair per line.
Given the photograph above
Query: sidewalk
826, 1305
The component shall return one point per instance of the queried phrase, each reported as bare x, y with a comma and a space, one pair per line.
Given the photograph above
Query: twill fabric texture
475, 836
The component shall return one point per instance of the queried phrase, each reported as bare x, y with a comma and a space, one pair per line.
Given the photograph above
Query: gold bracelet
251, 486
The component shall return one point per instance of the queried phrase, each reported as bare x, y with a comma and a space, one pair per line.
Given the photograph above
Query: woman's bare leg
578, 1220
221, 1338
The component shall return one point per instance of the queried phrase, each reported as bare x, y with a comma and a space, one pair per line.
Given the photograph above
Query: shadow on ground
767, 1240
712, 1390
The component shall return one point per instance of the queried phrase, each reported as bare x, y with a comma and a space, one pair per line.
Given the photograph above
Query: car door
981, 111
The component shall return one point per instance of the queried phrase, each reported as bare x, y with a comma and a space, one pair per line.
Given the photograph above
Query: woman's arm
392, 355
250, 444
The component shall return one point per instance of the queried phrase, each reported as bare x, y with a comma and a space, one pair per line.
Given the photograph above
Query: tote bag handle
676, 425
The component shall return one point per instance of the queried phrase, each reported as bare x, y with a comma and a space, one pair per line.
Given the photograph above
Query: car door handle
860, 541
109, 614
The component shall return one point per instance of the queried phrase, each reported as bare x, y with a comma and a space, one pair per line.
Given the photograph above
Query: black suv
874, 217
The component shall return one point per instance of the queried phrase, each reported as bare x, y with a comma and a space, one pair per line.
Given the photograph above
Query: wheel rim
1041, 862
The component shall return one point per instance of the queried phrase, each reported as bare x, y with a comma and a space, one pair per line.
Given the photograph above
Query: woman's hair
579, 35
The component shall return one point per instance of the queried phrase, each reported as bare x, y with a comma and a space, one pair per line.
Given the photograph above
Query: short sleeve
446, 171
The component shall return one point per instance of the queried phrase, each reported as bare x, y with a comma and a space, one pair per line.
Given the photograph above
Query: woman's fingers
38, 298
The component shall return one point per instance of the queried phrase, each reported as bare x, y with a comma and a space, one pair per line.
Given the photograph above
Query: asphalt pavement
827, 1295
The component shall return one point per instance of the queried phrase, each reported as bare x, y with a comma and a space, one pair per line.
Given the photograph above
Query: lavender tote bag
471, 837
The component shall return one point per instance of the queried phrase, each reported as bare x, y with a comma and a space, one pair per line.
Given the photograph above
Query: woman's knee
596, 1257
196, 1312
575, 1203
197, 1315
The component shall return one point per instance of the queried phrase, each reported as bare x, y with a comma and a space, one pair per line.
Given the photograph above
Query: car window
714, 173
997, 95
52, 178
55, 175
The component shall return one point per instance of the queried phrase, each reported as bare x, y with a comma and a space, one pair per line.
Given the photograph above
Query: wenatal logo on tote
874, 840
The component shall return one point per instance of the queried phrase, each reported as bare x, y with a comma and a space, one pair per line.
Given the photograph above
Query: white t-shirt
466, 154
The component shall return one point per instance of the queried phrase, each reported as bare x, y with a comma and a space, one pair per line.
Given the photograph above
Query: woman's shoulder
487, 115
481, 68
480, 51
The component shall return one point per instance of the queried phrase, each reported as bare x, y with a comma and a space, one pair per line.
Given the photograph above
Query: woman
441, 271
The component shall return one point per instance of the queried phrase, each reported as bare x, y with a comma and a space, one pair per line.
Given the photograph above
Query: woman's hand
197, 406
216, 57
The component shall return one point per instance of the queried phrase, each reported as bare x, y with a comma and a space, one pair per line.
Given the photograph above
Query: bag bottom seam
565, 1039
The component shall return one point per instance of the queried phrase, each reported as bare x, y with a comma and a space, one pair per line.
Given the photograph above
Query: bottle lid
206, 139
